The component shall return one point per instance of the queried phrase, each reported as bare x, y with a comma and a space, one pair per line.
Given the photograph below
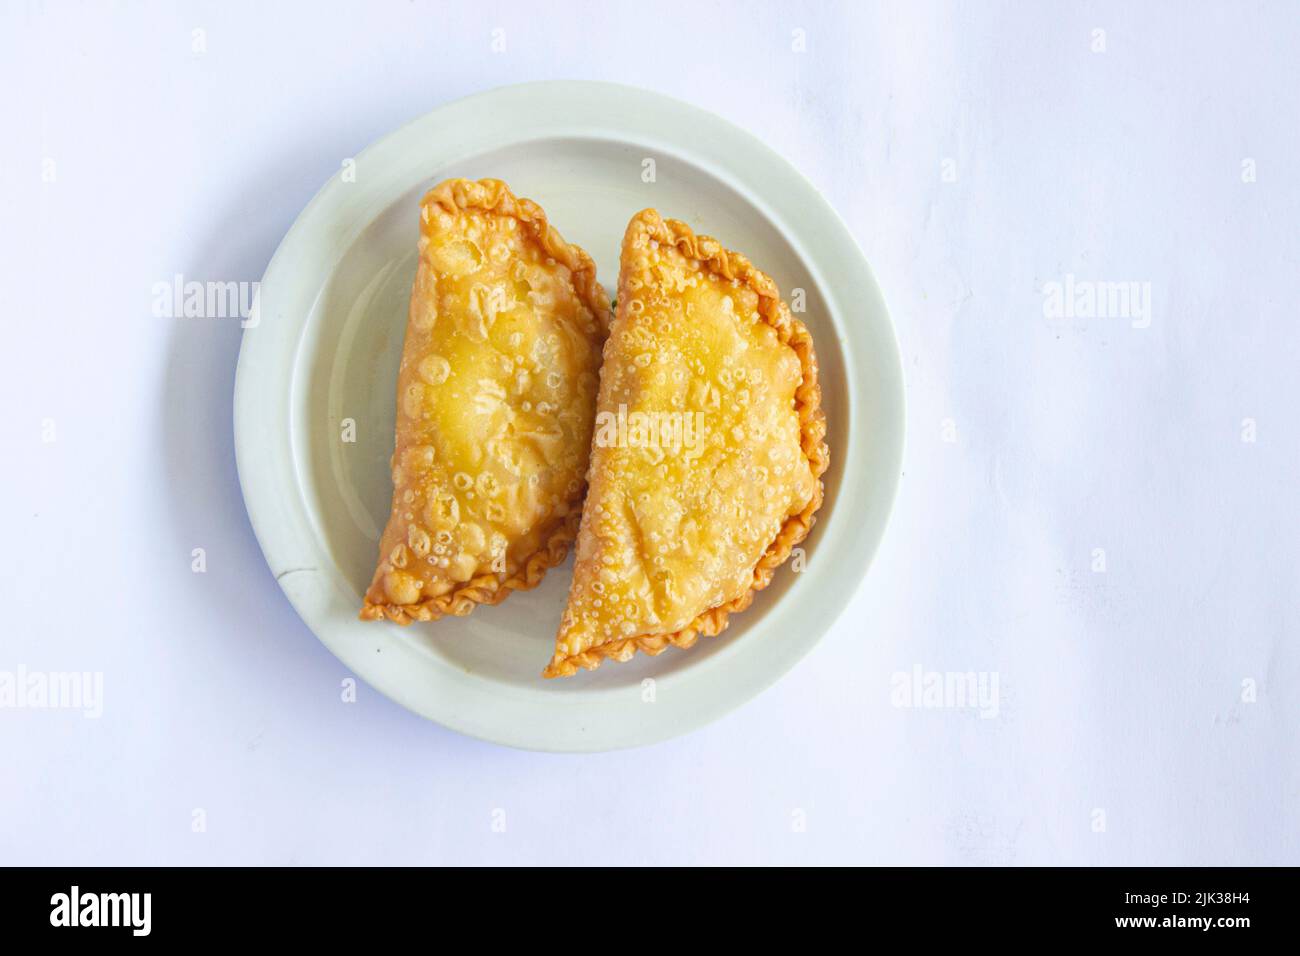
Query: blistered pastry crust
648, 226
457, 198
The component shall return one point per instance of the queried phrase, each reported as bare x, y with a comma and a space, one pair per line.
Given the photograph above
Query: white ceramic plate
325, 349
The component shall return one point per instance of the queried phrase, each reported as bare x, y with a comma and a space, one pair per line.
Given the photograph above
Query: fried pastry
707, 455
496, 397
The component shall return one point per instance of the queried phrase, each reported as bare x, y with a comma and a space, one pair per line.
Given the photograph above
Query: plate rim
264, 450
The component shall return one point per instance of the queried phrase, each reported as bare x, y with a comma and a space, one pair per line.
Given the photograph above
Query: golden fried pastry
707, 454
495, 401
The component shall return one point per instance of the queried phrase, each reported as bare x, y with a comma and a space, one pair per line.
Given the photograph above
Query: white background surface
1120, 692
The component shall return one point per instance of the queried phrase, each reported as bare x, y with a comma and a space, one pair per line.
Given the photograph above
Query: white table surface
1146, 714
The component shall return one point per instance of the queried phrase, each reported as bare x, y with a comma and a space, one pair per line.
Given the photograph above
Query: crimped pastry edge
494, 196
812, 421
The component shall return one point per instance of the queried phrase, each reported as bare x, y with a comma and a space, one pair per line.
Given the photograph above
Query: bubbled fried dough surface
674, 539
495, 401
